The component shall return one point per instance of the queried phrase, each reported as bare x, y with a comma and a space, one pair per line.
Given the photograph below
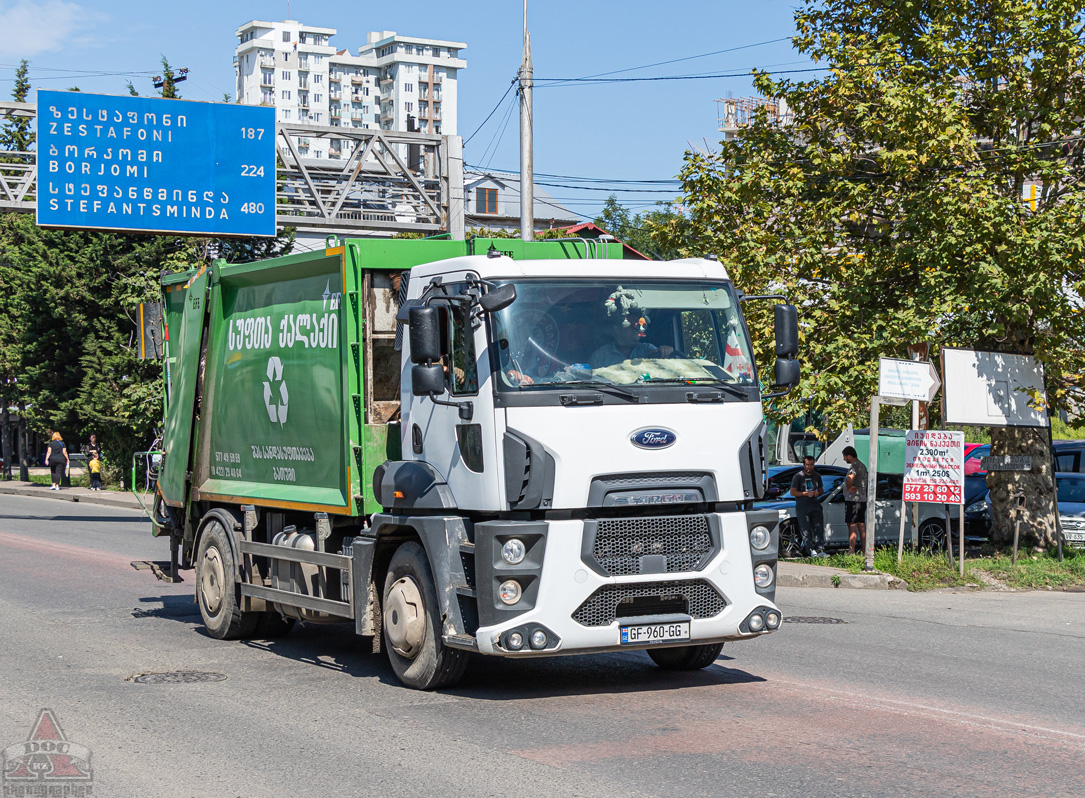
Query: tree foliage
636, 229
894, 203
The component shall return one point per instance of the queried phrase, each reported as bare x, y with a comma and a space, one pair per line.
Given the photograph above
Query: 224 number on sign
251, 170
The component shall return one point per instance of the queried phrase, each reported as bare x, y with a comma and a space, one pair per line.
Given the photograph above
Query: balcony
357, 79
334, 77
303, 64
266, 62
438, 78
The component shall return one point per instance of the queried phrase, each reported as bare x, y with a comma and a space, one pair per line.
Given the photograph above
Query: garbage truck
487, 447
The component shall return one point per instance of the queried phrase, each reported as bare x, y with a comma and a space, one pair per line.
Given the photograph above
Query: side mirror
498, 299
428, 380
787, 331
425, 334
787, 371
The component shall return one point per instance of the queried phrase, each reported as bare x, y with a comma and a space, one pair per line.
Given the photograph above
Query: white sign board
992, 389
915, 380
934, 466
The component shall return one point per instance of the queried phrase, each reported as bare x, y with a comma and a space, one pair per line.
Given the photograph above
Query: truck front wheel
216, 590
686, 658
412, 624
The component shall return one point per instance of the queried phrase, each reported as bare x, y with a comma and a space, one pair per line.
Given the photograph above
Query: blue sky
614, 131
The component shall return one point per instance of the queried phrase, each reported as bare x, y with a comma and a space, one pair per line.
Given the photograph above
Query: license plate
654, 633
1075, 535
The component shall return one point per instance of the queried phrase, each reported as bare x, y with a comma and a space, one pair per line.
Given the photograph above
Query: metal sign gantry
370, 180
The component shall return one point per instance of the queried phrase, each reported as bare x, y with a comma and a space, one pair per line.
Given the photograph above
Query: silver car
889, 491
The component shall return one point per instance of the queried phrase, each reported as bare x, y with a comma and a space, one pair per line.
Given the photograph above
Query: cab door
461, 449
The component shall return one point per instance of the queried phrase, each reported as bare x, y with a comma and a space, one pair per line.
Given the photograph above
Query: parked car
1071, 503
888, 494
1071, 497
779, 481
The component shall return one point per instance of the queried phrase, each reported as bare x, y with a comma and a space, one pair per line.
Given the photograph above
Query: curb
874, 581
42, 493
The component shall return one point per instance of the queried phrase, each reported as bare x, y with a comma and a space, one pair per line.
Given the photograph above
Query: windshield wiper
598, 386
716, 382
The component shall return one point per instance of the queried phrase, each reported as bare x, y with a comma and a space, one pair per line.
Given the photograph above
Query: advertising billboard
146, 164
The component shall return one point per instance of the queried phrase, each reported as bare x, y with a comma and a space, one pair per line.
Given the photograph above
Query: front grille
681, 540
701, 600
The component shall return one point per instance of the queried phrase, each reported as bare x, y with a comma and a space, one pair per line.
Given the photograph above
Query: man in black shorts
805, 488
855, 487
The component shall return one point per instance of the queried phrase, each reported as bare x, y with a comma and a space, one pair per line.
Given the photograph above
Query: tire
218, 595
790, 541
410, 620
271, 624
686, 658
932, 536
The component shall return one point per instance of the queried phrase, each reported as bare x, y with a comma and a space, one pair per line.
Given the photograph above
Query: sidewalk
109, 498
799, 574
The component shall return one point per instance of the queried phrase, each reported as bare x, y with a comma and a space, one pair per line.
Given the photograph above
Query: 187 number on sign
255, 133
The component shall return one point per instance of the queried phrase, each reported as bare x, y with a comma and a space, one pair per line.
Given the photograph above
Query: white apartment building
391, 79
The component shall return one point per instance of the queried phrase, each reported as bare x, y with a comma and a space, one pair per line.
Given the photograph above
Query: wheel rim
212, 580
931, 536
788, 543
405, 618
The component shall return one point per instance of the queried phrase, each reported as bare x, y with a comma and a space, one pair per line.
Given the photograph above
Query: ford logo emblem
653, 438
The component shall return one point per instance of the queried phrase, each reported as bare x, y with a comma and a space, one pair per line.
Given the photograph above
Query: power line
686, 58
552, 82
487, 119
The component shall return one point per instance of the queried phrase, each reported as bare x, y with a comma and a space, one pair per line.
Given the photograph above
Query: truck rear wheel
686, 658
216, 591
411, 620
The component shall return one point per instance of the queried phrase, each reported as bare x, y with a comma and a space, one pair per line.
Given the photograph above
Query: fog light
757, 623
538, 639
762, 576
509, 592
513, 551
760, 537
516, 641
773, 620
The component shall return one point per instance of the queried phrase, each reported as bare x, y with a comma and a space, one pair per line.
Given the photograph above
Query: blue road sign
147, 164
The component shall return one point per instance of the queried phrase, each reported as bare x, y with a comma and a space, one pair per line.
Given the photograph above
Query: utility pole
527, 178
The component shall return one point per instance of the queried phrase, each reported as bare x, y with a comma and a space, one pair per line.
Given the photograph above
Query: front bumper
574, 603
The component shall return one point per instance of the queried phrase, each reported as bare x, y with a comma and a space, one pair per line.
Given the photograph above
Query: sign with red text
934, 466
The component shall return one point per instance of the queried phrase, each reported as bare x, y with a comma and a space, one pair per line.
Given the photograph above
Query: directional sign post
155, 165
914, 380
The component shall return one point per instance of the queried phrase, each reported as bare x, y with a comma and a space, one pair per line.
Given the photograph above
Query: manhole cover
811, 619
179, 677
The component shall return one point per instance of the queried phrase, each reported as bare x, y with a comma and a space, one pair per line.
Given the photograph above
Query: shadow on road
96, 519
174, 607
337, 648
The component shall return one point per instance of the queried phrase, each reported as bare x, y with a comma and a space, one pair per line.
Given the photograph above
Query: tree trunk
1038, 486
5, 440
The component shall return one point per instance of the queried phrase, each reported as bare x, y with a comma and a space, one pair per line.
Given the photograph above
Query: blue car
1071, 500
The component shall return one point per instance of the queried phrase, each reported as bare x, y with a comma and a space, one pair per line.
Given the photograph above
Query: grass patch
923, 571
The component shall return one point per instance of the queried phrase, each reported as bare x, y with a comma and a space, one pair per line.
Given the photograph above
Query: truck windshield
632, 332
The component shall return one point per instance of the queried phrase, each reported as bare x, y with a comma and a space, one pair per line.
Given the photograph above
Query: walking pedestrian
855, 487
57, 458
94, 462
806, 486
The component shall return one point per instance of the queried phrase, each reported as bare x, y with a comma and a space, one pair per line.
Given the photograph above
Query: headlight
784, 513
757, 623
509, 592
516, 641
513, 551
762, 575
773, 620
976, 507
760, 537
538, 639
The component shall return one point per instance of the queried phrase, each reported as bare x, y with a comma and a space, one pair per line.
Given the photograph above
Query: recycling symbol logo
276, 397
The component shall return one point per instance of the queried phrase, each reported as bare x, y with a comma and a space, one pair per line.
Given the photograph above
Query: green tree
169, 84
17, 134
641, 230
894, 204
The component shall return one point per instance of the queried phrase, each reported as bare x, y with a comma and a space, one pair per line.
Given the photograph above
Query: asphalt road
921, 694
